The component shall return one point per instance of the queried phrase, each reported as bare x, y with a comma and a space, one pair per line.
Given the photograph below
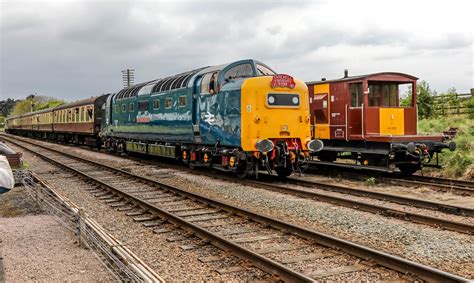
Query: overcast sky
76, 49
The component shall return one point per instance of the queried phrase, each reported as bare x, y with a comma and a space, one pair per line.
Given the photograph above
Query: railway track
274, 246
275, 184
460, 187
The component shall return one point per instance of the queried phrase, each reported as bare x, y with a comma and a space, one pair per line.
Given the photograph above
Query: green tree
424, 99
6, 106
35, 103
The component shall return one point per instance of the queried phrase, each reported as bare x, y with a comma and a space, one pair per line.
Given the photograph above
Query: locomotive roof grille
172, 82
178, 83
165, 85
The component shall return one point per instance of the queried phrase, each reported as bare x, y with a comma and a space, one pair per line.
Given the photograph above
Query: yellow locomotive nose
272, 112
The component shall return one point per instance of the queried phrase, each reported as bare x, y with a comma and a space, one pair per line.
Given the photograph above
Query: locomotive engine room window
239, 71
357, 97
182, 101
143, 106
264, 71
156, 104
168, 103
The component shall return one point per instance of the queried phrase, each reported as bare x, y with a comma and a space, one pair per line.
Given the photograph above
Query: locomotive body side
215, 116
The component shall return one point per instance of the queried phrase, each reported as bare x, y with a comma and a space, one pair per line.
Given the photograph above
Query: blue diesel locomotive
240, 117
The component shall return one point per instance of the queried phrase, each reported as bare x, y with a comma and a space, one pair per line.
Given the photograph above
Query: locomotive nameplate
283, 80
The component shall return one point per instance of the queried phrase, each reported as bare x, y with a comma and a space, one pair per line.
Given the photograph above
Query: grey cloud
79, 50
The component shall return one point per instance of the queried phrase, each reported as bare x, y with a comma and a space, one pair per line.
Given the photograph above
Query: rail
382, 258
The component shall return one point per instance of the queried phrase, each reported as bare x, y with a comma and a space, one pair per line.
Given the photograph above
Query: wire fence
121, 263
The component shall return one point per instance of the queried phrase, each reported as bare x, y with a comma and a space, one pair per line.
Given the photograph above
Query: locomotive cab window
239, 71
208, 83
264, 71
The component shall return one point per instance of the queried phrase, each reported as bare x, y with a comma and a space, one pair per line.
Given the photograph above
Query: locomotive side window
143, 106
168, 103
239, 71
357, 97
156, 104
131, 106
264, 71
123, 107
182, 101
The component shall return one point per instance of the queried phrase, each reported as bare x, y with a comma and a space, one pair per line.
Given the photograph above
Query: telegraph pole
128, 77
30, 97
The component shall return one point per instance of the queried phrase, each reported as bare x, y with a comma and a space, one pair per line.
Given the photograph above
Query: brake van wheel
409, 169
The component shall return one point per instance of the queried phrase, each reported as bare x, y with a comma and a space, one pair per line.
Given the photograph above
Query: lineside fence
453, 104
121, 263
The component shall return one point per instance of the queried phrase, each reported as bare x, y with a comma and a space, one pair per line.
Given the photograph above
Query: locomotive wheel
243, 169
409, 169
284, 172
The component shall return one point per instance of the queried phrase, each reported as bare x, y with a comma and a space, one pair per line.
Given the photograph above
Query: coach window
182, 101
168, 103
356, 95
156, 104
90, 113
81, 117
123, 107
239, 71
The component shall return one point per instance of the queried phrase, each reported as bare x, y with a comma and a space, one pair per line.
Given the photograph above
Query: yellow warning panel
392, 121
321, 131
